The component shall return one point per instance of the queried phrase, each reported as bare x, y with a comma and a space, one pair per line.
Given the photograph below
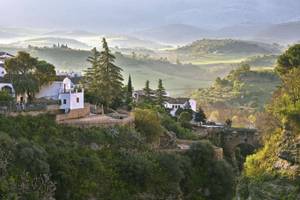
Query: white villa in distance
173, 104
184, 103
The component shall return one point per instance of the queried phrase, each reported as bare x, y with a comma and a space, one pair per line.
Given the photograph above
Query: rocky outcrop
284, 182
290, 147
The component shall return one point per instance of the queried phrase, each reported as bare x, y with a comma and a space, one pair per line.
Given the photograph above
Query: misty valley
172, 100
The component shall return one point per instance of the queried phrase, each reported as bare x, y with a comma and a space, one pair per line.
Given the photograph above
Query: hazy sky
130, 15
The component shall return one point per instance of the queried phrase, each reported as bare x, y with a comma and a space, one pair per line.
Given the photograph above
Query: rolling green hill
242, 88
228, 46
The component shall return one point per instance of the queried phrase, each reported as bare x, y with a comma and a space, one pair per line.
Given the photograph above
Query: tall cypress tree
129, 91
160, 93
147, 91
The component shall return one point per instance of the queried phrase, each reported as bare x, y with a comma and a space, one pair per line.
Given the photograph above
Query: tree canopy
290, 59
28, 74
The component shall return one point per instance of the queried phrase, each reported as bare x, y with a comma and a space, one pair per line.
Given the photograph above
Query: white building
68, 94
184, 103
70, 97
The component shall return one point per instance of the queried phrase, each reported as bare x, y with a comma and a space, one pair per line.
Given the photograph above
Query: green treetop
290, 59
160, 93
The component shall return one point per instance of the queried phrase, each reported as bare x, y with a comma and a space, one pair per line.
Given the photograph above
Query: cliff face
281, 178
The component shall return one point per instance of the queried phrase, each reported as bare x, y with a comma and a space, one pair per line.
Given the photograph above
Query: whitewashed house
173, 104
70, 97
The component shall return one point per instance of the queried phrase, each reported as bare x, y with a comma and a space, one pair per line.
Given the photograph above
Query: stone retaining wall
74, 114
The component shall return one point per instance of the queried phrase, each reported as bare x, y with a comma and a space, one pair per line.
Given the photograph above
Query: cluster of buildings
172, 104
69, 95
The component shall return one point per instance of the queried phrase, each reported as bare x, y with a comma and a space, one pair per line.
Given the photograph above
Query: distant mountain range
282, 33
154, 38
181, 33
174, 33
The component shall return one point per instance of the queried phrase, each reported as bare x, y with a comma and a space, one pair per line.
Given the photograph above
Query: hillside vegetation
226, 47
273, 171
42, 160
243, 87
239, 96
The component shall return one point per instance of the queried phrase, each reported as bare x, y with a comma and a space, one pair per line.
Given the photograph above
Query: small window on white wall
77, 99
65, 101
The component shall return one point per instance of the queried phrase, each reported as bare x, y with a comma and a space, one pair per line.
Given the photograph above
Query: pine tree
89, 78
110, 78
147, 91
104, 77
160, 93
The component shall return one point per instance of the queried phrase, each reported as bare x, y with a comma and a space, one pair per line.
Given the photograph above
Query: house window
65, 101
77, 99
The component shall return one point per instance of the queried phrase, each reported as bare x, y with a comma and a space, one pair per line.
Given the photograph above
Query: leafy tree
45, 73
200, 115
185, 118
148, 124
290, 59
27, 74
160, 93
291, 85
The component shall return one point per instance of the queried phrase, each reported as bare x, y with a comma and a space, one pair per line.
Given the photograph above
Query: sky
131, 15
